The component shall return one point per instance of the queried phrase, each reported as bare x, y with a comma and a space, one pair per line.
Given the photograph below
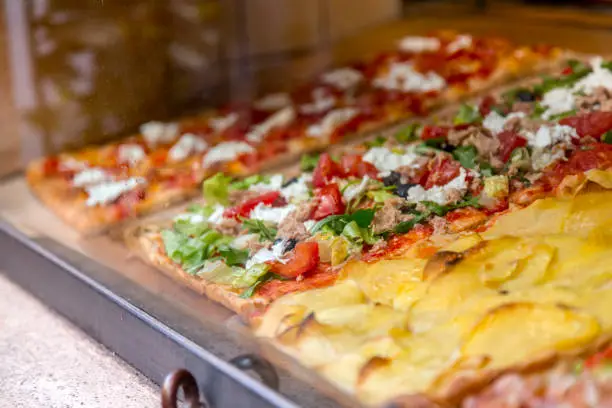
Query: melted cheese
155, 133
401, 76
90, 176
186, 145
280, 119
226, 151
440, 194
331, 121
106, 193
131, 154
342, 78
386, 160
419, 44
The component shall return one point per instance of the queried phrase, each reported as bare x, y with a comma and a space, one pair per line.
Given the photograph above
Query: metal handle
173, 383
261, 367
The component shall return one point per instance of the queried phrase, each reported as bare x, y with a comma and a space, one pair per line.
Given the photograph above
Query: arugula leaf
244, 184
406, 226
264, 231
336, 223
354, 233
173, 242
408, 134
607, 65
579, 71
436, 143
607, 137
467, 156
215, 189
379, 141
308, 162
204, 210
233, 256
185, 227
467, 114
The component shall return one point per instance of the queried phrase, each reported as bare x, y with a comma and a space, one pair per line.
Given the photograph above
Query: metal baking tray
147, 319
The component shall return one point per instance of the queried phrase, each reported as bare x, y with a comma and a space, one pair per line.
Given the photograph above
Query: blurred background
75, 72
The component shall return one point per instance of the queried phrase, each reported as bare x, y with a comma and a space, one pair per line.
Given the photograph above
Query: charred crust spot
441, 263
373, 364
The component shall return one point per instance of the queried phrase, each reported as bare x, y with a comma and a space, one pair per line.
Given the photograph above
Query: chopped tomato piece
353, 165
508, 141
485, 105
126, 203
304, 259
434, 132
330, 202
245, 208
325, 171
593, 124
50, 166
598, 358
442, 171
567, 71
596, 156
322, 277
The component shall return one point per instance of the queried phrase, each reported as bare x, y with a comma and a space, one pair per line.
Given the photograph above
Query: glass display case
81, 72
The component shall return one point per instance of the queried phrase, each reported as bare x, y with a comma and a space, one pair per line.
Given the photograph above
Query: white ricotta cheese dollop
273, 184
460, 43
558, 100
188, 144
440, 194
322, 101
91, 176
226, 151
547, 136
131, 154
419, 44
105, 193
401, 76
600, 77
279, 119
299, 189
342, 78
155, 133
331, 121
271, 214
354, 190
222, 123
262, 256
386, 160
273, 102
494, 122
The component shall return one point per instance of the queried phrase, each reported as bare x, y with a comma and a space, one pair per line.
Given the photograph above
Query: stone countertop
45, 361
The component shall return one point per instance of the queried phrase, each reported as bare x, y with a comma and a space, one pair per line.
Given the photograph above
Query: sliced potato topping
539, 282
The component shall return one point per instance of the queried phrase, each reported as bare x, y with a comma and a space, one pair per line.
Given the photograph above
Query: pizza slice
575, 383
95, 188
431, 326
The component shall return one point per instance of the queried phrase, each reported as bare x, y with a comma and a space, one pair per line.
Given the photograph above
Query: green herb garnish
216, 189
308, 162
264, 231
408, 134
336, 223
467, 114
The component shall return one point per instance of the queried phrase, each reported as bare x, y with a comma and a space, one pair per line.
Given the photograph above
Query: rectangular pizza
97, 187
418, 268
379, 197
